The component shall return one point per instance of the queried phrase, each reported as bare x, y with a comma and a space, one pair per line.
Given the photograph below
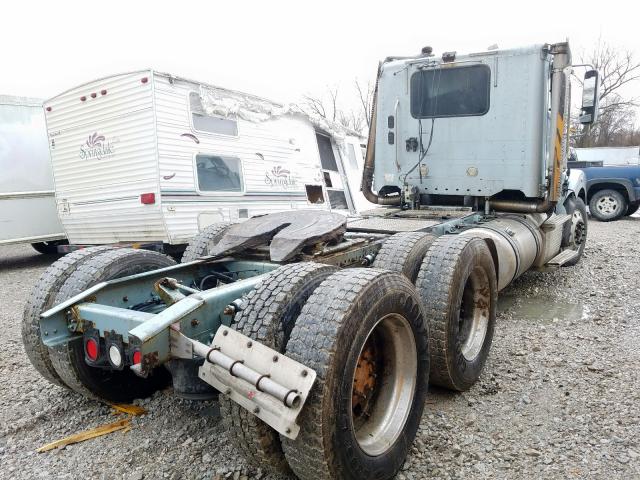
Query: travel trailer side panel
103, 149
278, 157
27, 203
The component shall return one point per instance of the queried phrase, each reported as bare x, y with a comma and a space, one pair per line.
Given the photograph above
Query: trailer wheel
403, 253
269, 315
457, 282
365, 333
68, 359
203, 242
607, 205
48, 248
41, 299
578, 231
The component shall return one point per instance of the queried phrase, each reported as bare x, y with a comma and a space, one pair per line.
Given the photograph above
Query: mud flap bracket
259, 362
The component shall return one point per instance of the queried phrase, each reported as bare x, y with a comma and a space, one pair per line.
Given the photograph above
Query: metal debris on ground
87, 434
133, 410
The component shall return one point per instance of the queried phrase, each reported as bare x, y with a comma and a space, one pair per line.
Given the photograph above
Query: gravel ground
559, 397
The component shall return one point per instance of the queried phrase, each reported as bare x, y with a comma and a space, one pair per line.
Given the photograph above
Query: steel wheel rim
607, 205
577, 229
377, 428
474, 314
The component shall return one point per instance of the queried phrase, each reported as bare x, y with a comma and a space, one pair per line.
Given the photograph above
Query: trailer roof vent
448, 57
427, 51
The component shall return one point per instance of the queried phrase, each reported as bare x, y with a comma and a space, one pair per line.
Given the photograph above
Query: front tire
365, 333
458, 285
578, 231
607, 205
69, 359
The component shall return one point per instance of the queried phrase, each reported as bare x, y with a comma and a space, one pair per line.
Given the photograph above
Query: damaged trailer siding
114, 139
278, 158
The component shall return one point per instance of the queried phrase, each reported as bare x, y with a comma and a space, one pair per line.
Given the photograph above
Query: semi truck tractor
319, 333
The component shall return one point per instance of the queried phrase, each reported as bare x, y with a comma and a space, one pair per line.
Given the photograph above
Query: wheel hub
364, 381
607, 205
473, 319
578, 229
383, 385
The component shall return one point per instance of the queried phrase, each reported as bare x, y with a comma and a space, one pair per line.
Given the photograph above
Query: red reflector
144, 79
137, 357
103, 92
83, 98
94, 95
91, 348
148, 198
48, 109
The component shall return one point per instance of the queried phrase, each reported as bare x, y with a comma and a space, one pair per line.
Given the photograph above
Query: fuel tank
518, 240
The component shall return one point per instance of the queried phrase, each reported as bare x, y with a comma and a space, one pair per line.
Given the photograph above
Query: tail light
136, 358
48, 109
92, 349
148, 198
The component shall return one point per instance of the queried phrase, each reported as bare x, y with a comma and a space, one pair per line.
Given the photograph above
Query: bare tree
366, 100
328, 107
616, 122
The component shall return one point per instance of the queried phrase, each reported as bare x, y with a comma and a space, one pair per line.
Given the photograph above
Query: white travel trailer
27, 203
610, 155
153, 158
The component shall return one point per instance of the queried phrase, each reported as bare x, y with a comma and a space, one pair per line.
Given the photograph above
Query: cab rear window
450, 92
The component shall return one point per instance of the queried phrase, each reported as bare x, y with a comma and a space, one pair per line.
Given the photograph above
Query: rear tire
457, 282
365, 333
68, 359
403, 253
203, 243
607, 205
270, 312
41, 299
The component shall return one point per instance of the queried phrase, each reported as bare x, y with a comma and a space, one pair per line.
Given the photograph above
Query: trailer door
334, 180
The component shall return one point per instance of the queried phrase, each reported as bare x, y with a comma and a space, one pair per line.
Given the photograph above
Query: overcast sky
277, 49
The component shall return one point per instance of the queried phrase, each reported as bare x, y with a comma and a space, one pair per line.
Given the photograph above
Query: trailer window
450, 92
337, 199
203, 122
218, 174
351, 153
327, 158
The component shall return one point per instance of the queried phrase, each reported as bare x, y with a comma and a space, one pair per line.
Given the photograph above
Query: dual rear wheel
376, 341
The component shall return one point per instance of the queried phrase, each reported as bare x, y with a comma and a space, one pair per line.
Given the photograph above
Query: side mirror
590, 97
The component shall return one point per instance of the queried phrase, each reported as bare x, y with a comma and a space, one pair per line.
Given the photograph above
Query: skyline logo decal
279, 177
96, 147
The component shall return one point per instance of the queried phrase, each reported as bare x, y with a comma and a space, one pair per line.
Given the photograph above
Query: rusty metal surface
289, 233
